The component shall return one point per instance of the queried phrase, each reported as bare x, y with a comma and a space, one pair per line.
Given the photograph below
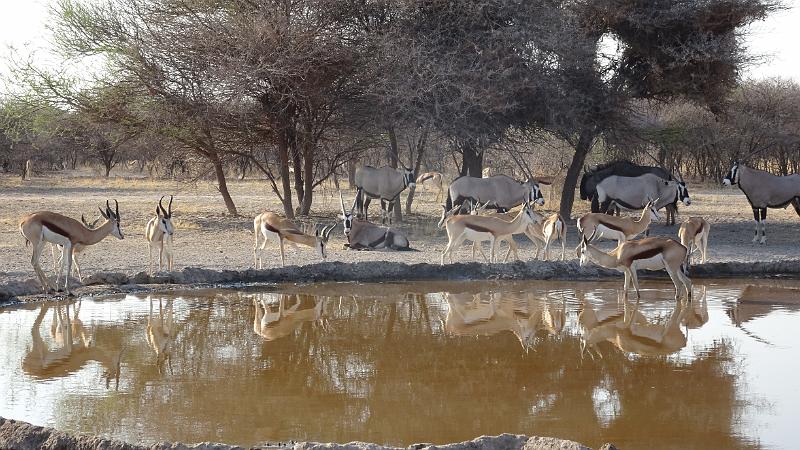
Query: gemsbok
158, 232
633, 193
363, 235
277, 228
385, 183
617, 228
693, 234
764, 190
499, 192
652, 253
481, 228
45, 226
593, 176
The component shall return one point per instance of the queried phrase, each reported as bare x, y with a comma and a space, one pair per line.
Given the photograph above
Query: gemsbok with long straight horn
46, 226
385, 183
693, 234
363, 235
500, 192
764, 190
633, 193
277, 228
617, 228
158, 232
481, 228
652, 253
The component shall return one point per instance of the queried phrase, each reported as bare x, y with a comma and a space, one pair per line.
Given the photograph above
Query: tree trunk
417, 164
283, 154
472, 159
297, 165
223, 185
308, 171
398, 214
582, 150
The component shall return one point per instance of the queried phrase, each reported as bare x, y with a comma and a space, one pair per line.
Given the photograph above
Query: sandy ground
209, 238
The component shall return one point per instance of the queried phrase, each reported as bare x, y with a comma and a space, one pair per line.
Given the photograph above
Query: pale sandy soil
207, 237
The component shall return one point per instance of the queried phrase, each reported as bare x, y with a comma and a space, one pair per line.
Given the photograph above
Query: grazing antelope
363, 235
78, 248
652, 253
436, 180
633, 193
693, 234
158, 232
385, 183
764, 190
161, 333
275, 227
620, 229
501, 191
46, 226
482, 228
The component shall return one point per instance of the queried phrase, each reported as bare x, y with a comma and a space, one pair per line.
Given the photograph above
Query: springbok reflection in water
278, 315
161, 333
521, 314
631, 332
73, 348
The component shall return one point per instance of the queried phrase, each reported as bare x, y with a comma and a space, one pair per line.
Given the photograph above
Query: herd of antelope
475, 210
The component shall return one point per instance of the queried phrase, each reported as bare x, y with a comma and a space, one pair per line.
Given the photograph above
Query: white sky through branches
777, 39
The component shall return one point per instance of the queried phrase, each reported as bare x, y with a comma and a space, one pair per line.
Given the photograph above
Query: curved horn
161, 207
116, 208
170, 206
327, 232
83, 219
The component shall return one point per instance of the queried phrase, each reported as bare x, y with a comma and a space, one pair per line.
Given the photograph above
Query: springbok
482, 228
77, 249
764, 190
158, 232
435, 179
652, 253
46, 226
42, 362
161, 333
693, 234
617, 228
275, 227
633, 193
272, 325
500, 191
385, 183
363, 235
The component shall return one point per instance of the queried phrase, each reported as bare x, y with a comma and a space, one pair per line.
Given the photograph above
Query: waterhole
414, 362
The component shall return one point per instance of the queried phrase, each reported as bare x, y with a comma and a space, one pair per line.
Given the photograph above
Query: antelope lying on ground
694, 236
618, 228
481, 228
274, 227
46, 226
649, 254
158, 233
78, 248
764, 190
434, 179
363, 235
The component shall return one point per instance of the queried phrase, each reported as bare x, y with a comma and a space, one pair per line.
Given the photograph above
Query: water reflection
392, 363
73, 347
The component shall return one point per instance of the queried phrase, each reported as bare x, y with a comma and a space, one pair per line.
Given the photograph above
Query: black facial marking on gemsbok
764, 190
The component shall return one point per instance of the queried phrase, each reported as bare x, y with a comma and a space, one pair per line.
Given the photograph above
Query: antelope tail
448, 205
27, 241
796, 204
359, 201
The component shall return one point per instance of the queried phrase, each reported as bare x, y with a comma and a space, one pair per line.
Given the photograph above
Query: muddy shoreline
104, 283
17, 435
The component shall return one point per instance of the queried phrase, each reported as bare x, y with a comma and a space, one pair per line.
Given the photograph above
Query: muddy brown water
414, 362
